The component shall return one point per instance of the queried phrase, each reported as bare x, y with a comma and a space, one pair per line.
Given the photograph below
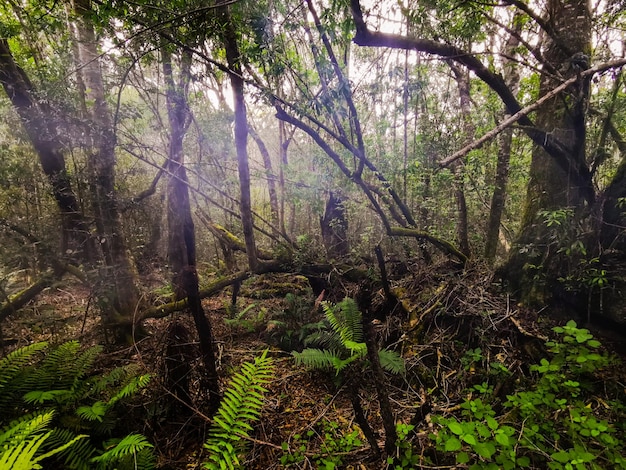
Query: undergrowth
555, 419
54, 407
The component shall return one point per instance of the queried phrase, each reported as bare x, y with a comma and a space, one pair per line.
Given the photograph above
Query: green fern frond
112, 378
18, 430
39, 397
63, 368
241, 404
23, 440
21, 456
313, 358
126, 453
135, 384
345, 319
391, 361
14, 362
60, 449
76, 457
326, 339
95, 412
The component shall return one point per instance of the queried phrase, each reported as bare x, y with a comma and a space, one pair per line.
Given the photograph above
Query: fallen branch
17, 301
443, 245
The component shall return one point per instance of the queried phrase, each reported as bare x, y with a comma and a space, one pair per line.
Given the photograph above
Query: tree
181, 230
121, 278
552, 186
39, 120
234, 61
560, 175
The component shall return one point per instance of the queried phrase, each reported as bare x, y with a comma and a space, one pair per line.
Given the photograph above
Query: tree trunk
122, 295
498, 199
181, 229
38, 120
551, 187
233, 58
463, 83
334, 226
271, 181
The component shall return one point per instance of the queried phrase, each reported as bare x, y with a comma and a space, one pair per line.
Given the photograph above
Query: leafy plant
242, 403
341, 343
335, 442
405, 456
21, 441
245, 321
82, 407
555, 425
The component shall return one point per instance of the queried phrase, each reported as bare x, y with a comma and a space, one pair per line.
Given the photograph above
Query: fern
133, 451
18, 430
345, 320
391, 361
21, 442
81, 403
343, 343
12, 367
14, 362
241, 404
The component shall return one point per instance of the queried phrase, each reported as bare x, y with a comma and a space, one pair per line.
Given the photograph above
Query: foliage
241, 404
341, 343
79, 408
335, 442
551, 423
405, 456
22, 439
246, 319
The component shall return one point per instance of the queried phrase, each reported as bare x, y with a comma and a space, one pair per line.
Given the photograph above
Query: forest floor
453, 329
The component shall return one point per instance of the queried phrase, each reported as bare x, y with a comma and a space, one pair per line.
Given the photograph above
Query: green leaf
453, 444
492, 423
561, 456
469, 438
502, 439
455, 427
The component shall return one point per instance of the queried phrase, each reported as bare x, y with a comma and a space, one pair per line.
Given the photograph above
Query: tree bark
233, 58
458, 168
181, 229
334, 226
120, 273
38, 120
553, 186
498, 199
271, 181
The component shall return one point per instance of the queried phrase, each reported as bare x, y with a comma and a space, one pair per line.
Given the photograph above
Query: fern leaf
241, 404
345, 320
60, 449
135, 384
391, 361
126, 449
21, 456
313, 358
22, 428
14, 362
94, 412
39, 397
